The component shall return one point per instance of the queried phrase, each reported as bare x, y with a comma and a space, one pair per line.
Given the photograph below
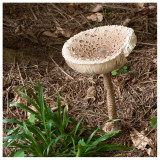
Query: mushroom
99, 51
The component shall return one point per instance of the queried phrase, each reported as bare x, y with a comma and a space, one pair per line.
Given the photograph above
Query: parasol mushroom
99, 51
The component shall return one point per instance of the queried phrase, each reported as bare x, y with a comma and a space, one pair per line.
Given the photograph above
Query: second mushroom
99, 51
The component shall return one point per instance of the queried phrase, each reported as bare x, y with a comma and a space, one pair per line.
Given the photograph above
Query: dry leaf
77, 30
91, 93
49, 34
4, 134
152, 7
96, 17
73, 4
34, 109
54, 109
155, 60
141, 5
126, 22
140, 141
97, 8
101, 103
65, 33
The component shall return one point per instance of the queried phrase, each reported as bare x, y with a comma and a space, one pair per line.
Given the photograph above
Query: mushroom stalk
112, 114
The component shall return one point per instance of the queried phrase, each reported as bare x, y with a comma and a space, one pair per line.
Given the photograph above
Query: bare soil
33, 36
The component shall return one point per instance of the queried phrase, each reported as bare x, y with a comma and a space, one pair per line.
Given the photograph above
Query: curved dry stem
112, 114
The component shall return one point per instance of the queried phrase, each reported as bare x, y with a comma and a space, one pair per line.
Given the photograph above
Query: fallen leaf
150, 152
101, 103
66, 78
96, 17
155, 60
152, 7
4, 134
73, 4
77, 30
126, 22
134, 80
65, 33
141, 5
55, 108
142, 142
91, 93
97, 8
49, 34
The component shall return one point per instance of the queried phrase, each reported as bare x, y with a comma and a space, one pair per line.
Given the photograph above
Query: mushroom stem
110, 96
112, 114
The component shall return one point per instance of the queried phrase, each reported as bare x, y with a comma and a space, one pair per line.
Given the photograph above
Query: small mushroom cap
99, 50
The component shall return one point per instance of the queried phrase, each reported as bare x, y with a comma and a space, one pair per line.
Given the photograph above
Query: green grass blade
42, 106
49, 125
19, 153
30, 100
12, 121
82, 131
48, 147
59, 108
105, 137
12, 137
60, 137
12, 153
37, 146
35, 97
91, 136
113, 147
37, 133
7, 144
77, 126
74, 145
14, 131
25, 108
65, 119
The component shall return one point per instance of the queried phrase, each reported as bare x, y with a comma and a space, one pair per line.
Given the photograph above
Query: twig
56, 108
67, 15
142, 32
146, 112
61, 69
7, 99
33, 13
149, 44
20, 74
59, 11
25, 113
138, 96
119, 7
148, 81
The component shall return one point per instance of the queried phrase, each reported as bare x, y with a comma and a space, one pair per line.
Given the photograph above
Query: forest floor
33, 37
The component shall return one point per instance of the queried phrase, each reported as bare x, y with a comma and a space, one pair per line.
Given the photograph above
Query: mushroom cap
99, 50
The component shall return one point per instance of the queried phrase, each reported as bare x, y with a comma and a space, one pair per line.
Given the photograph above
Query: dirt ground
33, 36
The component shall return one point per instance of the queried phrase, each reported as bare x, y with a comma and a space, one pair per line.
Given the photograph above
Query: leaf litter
135, 91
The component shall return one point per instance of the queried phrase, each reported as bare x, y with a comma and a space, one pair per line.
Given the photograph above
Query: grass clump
54, 134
